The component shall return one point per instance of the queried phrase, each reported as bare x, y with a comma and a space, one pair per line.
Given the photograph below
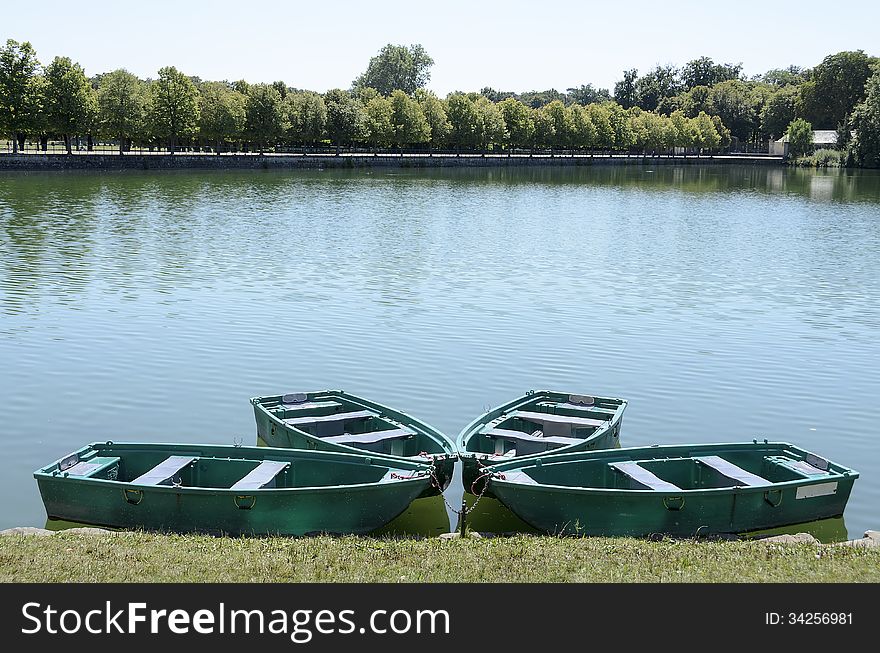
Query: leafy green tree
723, 131
625, 90
545, 133
520, 128
619, 119
70, 101
122, 104
705, 72
864, 149
537, 99
779, 110
282, 89
733, 101
684, 129
19, 90
380, 128
638, 127
397, 67
490, 123
463, 120
174, 106
266, 118
306, 117
408, 120
707, 137
800, 137
346, 119
435, 114
600, 117
660, 83
588, 94
836, 86
779, 77
222, 113
560, 118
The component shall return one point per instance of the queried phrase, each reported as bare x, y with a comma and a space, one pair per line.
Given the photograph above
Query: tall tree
625, 89
222, 114
800, 137
705, 72
408, 120
174, 106
462, 120
520, 128
779, 110
865, 121
435, 113
70, 101
307, 117
588, 94
19, 90
560, 118
660, 83
397, 67
346, 120
600, 116
836, 86
379, 125
122, 102
490, 123
708, 137
266, 119
733, 101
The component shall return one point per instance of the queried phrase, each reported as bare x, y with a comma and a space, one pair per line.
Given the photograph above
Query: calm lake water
726, 303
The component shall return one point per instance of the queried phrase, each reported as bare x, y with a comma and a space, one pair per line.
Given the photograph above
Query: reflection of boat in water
824, 530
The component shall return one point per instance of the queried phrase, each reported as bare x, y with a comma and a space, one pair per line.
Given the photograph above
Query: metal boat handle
670, 503
767, 498
133, 496
245, 501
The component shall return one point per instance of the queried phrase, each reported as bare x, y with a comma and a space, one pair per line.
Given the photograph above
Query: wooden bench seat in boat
802, 467
570, 406
90, 467
557, 441
644, 477
335, 417
162, 473
308, 405
557, 419
731, 471
261, 475
371, 438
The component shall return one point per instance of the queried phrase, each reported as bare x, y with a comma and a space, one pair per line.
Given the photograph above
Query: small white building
822, 139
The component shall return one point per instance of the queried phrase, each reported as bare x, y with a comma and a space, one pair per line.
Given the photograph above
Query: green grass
128, 557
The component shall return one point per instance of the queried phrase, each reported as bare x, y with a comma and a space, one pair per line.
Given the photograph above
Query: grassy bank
130, 557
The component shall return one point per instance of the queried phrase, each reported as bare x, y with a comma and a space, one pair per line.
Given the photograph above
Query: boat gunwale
563, 458
414, 466
472, 429
432, 433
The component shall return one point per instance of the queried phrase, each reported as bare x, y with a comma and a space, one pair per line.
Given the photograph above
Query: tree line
387, 106
703, 105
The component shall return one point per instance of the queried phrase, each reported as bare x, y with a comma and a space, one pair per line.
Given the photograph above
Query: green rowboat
228, 489
538, 423
684, 490
332, 420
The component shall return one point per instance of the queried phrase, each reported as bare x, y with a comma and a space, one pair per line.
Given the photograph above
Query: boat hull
339, 507
608, 511
437, 447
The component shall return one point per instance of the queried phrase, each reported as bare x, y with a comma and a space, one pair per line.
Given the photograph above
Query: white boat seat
308, 405
731, 471
370, 438
261, 475
162, 473
555, 440
335, 417
644, 477
543, 418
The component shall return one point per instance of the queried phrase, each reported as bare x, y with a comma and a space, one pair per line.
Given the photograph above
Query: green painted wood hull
476, 452
334, 493
579, 494
427, 443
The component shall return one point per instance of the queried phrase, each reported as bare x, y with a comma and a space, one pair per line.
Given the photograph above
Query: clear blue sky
509, 45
